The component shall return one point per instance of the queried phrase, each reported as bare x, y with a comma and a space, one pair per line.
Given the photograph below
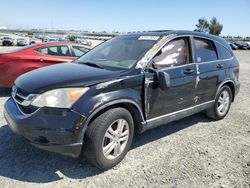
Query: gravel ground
192, 152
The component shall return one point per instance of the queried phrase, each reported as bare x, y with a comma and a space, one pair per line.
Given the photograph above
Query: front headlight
59, 98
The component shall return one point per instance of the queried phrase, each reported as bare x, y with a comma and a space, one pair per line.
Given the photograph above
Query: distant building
3, 28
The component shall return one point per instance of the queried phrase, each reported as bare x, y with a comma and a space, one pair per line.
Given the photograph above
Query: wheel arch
134, 109
230, 84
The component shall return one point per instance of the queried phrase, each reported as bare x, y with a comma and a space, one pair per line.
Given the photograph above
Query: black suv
7, 41
131, 83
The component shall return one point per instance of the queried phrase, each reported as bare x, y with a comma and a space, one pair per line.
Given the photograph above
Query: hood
63, 75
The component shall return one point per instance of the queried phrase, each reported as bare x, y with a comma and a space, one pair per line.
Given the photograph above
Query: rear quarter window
224, 52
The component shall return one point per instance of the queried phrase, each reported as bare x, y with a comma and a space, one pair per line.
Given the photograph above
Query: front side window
79, 51
120, 53
55, 51
175, 53
205, 50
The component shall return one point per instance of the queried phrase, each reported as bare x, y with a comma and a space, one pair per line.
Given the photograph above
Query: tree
30, 33
72, 38
202, 25
215, 27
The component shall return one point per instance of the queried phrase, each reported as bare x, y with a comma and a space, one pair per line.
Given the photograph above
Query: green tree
30, 33
215, 27
202, 26
72, 38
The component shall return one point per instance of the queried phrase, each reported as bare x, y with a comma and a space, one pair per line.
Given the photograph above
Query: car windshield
119, 53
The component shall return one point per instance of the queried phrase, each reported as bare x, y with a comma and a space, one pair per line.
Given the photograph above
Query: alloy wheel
115, 139
223, 103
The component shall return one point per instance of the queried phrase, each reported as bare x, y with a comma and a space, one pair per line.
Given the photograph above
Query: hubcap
223, 103
115, 139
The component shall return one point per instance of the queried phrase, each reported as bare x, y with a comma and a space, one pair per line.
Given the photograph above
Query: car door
175, 58
54, 54
210, 69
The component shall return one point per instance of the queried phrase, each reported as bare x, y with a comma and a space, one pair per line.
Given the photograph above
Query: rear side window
205, 50
55, 51
79, 51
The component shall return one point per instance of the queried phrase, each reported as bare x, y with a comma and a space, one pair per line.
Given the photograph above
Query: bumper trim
72, 150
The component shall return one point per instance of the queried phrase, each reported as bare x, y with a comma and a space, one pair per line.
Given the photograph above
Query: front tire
222, 104
108, 138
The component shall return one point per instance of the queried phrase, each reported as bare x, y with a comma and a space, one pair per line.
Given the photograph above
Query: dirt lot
193, 152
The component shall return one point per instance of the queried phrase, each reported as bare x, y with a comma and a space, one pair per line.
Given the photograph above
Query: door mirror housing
164, 80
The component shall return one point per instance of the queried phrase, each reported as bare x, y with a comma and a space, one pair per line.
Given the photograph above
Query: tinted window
224, 53
79, 51
205, 50
55, 51
174, 53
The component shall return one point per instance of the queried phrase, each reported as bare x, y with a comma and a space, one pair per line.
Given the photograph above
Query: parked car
130, 83
21, 42
242, 45
50, 39
85, 42
62, 39
233, 46
25, 59
1, 41
7, 41
34, 41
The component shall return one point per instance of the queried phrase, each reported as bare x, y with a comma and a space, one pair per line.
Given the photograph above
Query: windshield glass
120, 53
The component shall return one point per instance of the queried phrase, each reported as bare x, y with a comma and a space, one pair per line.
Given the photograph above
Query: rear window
79, 51
205, 50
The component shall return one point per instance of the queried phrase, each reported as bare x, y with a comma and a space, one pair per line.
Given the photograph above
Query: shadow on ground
4, 92
21, 161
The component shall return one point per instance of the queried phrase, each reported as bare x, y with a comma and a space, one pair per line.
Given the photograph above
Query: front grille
27, 109
18, 94
23, 100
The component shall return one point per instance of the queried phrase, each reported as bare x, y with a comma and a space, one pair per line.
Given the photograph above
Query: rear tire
108, 138
222, 104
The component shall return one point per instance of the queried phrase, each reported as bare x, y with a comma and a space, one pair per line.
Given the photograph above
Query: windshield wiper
92, 64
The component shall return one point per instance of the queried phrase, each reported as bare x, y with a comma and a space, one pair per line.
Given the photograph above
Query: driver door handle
188, 71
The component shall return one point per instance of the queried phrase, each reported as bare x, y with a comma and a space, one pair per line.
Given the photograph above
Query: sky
125, 15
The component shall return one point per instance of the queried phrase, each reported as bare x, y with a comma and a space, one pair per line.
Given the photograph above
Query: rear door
210, 69
175, 58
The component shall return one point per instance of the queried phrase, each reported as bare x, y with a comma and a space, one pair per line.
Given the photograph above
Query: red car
23, 60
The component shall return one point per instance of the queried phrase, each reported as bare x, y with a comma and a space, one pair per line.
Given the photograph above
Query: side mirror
164, 80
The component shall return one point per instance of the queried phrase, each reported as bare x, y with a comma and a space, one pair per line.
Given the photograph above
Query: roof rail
160, 30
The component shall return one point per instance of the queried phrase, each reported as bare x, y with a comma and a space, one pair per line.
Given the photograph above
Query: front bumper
56, 130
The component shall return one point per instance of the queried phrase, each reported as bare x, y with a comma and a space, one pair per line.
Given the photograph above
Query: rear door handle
188, 71
219, 66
